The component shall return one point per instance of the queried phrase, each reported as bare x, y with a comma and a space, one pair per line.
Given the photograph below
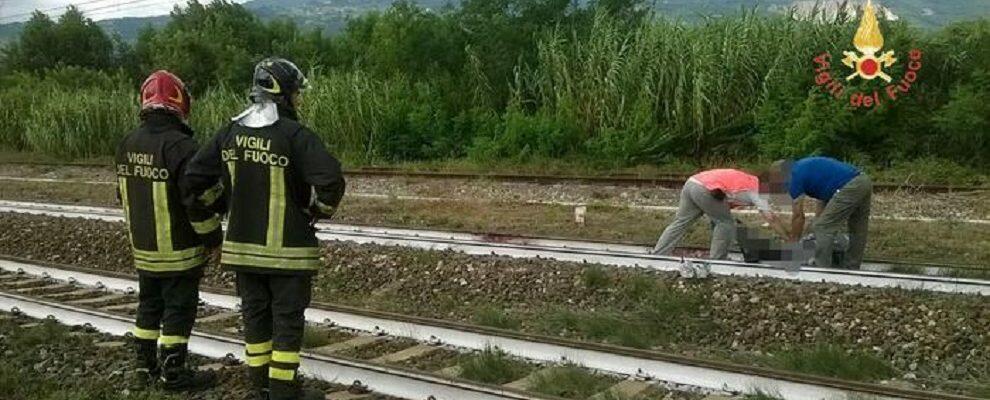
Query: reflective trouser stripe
169, 341
284, 365
163, 220
264, 347
286, 357
258, 354
259, 361
145, 334
276, 206
281, 374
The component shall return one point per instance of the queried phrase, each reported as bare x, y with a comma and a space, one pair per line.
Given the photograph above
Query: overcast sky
19, 10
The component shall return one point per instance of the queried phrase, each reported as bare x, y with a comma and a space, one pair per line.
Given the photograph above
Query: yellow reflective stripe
259, 250
122, 182
146, 334
325, 209
172, 340
163, 220
175, 255
268, 262
204, 227
255, 348
281, 374
232, 168
276, 206
259, 361
171, 266
287, 357
211, 195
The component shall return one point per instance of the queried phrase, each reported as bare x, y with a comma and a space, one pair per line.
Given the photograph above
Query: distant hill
127, 28
332, 15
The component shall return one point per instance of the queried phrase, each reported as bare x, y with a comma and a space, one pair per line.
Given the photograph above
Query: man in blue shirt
844, 194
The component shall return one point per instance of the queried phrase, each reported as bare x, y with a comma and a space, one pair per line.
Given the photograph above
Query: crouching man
844, 193
715, 193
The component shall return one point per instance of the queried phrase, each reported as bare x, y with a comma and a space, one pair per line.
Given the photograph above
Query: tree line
607, 82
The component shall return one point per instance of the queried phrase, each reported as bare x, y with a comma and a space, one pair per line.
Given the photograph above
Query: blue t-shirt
820, 177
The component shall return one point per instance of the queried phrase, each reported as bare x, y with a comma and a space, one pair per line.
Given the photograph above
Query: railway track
530, 202
383, 379
667, 180
77, 296
873, 275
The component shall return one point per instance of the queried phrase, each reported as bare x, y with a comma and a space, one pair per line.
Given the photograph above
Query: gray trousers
695, 201
851, 207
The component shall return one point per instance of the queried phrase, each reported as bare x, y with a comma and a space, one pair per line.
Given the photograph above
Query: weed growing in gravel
595, 278
606, 327
314, 337
831, 360
38, 335
647, 313
496, 317
19, 381
20, 384
493, 366
907, 269
981, 392
570, 381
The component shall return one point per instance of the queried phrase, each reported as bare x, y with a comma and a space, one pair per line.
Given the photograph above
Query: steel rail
388, 380
527, 202
584, 252
713, 375
667, 180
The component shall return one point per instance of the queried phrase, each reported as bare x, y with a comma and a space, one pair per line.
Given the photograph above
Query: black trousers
274, 308
167, 307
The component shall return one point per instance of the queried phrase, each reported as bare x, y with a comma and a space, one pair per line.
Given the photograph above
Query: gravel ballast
925, 337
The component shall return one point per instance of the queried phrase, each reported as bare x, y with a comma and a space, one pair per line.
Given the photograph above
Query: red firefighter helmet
165, 91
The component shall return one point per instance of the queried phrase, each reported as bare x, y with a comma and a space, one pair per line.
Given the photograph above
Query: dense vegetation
516, 80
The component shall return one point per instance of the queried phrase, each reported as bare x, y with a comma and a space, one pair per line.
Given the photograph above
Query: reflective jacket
167, 237
273, 180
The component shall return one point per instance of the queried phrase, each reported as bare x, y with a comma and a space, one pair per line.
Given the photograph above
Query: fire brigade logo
869, 41
868, 63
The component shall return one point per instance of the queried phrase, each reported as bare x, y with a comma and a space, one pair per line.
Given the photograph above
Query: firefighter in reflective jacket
170, 241
273, 178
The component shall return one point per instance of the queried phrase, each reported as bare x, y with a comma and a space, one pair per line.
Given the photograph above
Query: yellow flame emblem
869, 41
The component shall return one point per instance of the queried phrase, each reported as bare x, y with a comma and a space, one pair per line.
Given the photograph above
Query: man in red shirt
714, 193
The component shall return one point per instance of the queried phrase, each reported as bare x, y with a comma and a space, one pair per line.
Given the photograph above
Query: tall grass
79, 123
613, 93
636, 92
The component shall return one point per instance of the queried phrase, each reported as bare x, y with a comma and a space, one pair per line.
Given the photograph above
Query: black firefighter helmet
278, 79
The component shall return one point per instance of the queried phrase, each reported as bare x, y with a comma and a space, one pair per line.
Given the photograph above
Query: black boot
294, 390
146, 369
258, 379
176, 375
